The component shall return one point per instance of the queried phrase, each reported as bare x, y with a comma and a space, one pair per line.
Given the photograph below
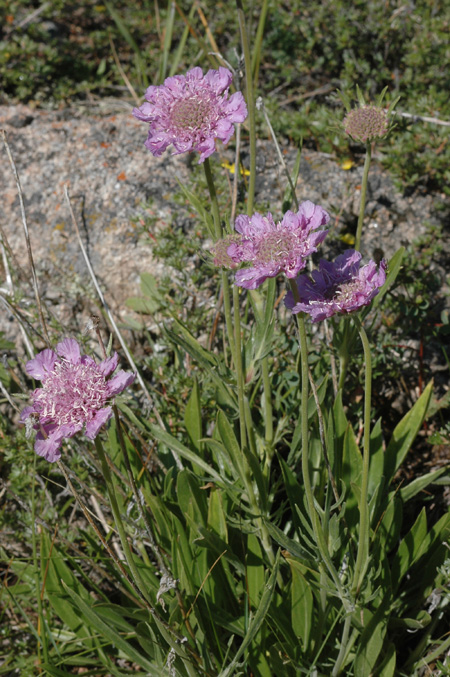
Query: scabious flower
366, 123
191, 111
75, 393
220, 251
272, 247
337, 287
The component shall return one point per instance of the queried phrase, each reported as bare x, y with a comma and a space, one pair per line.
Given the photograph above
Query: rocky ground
113, 181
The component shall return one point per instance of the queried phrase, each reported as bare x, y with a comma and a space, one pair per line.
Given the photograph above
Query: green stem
268, 416
362, 205
256, 58
363, 541
317, 527
37, 578
118, 520
250, 106
218, 234
238, 366
214, 201
343, 649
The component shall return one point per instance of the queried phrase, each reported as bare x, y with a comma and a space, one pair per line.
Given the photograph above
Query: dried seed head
366, 123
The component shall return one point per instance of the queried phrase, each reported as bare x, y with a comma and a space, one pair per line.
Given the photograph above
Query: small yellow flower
232, 167
347, 238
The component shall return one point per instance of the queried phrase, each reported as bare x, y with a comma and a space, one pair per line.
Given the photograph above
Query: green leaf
172, 443
254, 569
293, 547
111, 635
391, 523
256, 622
59, 575
183, 338
394, 266
405, 433
376, 468
388, 664
193, 417
191, 499
231, 444
216, 515
199, 208
351, 475
419, 484
302, 607
371, 640
421, 621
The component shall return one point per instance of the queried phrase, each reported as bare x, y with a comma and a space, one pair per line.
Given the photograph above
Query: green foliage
231, 563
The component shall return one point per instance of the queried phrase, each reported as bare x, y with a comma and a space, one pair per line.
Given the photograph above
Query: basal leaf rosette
337, 287
271, 248
191, 111
76, 393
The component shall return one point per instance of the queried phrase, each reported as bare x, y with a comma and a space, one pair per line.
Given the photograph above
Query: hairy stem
362, 205
250, 105
363, 541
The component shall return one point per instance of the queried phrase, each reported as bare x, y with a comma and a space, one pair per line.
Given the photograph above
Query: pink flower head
75, 393
272, 247
191, 111
338, 287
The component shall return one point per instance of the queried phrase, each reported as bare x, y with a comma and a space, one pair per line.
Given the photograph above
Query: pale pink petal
100, 418
50, 447
235, 108
219, 80
69, 349
109, 365
119, 382
205, 148
41, 365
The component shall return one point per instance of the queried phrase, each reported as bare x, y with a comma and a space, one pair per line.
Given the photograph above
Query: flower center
347, 291
276, 247
193, 113
72, 393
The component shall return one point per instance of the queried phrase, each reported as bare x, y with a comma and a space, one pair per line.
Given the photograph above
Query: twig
422, 118
105, 525
260, 106
111, 553
108, 312
28, 19
307, 95
122, 72
27, 238
21, 322
8, 397
69, 544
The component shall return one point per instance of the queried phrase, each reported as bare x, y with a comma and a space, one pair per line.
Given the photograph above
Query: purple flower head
272, 247
191, 111
75, 393
337, 287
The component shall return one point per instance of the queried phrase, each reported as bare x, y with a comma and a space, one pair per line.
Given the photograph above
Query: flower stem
362, 205
364, 526
343, 650
118, 520
317, 527
250, 105
218, 234
238, 366
41, 631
